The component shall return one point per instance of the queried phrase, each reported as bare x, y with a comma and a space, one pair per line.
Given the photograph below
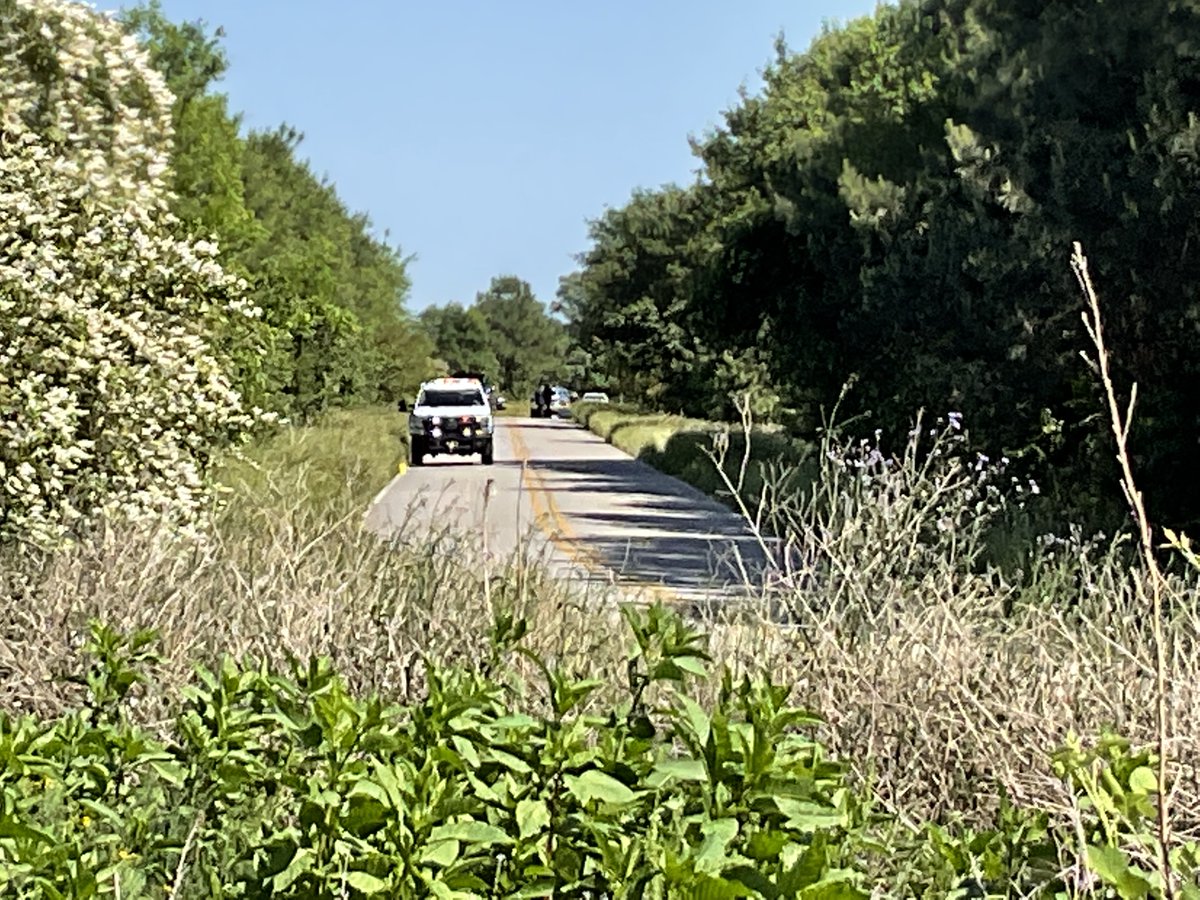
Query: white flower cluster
111, 397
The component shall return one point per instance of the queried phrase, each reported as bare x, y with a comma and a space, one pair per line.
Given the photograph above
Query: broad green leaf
1110, 863
366, 788
685, 769
546, 887
104, 811
718, 834
596, 785
443, 853
698, 719
803, 866
515, 763
692, 664
466, 750
834, 889
766, 845
50, 892
365, 814
12, 829
170, 772
706, 887
301, 863
469, 833
392, 783
518, 721
532, 817
366, 882
1142, 780
803, 815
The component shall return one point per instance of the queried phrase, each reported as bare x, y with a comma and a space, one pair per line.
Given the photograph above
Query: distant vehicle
450, 415
549, 401
560, 401
498, 400
594, 397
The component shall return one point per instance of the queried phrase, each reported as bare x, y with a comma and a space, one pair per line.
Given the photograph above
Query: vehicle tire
486, 454
417, 452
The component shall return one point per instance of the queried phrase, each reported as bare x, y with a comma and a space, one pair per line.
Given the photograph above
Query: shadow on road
619, 476
661, 533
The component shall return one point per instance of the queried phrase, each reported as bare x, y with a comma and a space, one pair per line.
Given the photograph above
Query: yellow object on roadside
402, 468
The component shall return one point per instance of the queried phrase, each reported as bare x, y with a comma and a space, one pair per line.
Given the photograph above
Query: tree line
331, 291
507, 334
896, 207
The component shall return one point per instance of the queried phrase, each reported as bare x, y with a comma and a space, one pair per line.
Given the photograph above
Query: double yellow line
554, 525
548, 516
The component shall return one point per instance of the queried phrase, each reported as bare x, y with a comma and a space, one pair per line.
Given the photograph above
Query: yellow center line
554, 525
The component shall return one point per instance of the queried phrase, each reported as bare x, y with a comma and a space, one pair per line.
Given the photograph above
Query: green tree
206, 171
332, 292
900, 201
461, 338
528, 344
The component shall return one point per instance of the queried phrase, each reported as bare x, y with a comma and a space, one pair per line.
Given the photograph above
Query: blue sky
481, 134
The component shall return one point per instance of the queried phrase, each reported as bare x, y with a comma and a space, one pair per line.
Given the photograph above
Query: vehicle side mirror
402, 405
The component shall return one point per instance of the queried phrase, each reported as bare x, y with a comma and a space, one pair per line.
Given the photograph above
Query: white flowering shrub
111, 394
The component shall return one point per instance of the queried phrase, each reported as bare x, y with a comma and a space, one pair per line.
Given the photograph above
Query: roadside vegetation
401, 720
216, 682
718, 458
897, 204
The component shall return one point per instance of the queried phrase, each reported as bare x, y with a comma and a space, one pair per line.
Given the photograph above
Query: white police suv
451, 415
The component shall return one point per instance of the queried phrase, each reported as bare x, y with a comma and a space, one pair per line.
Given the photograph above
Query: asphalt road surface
562, 495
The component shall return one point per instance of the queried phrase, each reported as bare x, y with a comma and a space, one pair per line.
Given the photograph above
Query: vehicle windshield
450, 398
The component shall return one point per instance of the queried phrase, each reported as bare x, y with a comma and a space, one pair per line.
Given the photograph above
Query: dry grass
943, 679
943, 694
287, 572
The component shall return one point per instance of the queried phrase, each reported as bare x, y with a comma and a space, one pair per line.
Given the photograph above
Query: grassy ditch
344, 457
697, 452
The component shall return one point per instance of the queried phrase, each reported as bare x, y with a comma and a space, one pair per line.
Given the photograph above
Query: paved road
559, 493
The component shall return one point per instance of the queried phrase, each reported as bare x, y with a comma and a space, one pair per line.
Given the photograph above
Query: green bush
267, 786
114, 387
271, 786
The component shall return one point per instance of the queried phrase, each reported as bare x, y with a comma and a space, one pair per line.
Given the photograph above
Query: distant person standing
547, 396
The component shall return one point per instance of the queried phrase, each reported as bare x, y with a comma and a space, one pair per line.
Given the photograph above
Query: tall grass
942, 677
287, 570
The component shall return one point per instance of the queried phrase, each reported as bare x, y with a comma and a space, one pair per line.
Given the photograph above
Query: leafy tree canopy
899, 203
507, 333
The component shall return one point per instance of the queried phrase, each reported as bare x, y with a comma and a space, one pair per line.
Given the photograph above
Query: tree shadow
664, 532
